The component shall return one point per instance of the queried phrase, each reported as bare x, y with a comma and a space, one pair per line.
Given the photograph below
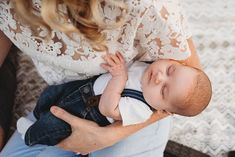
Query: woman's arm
193, 60
5, 45
84, 131
87, 136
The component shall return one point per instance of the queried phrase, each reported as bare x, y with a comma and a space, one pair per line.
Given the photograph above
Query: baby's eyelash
169, 69
162, 91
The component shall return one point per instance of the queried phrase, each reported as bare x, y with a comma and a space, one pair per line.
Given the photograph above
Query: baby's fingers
115, 58
120, 57
106, 67
109, 60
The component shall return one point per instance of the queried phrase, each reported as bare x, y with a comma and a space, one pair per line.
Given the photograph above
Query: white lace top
152, 29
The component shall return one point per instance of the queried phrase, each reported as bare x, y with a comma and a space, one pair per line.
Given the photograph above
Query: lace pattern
145, 32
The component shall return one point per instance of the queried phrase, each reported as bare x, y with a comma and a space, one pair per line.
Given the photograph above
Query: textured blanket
213, 28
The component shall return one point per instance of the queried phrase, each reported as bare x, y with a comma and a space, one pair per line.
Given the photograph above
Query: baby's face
166, 82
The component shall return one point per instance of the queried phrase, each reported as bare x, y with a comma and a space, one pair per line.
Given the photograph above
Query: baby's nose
159, 77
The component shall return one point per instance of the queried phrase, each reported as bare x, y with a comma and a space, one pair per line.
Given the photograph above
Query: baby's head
176, 88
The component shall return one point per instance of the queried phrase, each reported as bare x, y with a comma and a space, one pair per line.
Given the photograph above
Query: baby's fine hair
199, 96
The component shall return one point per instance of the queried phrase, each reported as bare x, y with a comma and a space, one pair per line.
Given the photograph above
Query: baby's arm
110, 98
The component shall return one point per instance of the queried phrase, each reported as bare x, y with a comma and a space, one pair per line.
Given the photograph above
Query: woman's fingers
74, 121
106, 67
85, 134
157, 115
163, 114
64, 115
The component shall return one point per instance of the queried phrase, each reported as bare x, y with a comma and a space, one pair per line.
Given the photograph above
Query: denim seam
77, 90
43, 136
74, 100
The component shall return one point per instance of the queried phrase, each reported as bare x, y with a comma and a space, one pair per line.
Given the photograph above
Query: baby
128, 94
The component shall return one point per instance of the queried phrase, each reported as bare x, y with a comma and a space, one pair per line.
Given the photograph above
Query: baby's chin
153, 106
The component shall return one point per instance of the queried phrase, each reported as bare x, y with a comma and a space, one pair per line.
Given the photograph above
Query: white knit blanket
213, 28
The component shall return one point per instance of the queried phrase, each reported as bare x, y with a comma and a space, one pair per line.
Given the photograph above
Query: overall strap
136, 95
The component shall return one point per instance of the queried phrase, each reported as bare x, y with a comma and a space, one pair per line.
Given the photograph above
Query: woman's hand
87, 136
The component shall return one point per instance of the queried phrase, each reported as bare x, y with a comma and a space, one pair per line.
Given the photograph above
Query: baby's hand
115, 64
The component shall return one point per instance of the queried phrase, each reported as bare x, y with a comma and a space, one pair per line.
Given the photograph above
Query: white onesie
132, 111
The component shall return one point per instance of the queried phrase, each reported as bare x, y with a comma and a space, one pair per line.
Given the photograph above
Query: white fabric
22, 125
132, 110
144, 24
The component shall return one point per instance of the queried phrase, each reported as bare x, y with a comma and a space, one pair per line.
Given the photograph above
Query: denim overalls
77, 98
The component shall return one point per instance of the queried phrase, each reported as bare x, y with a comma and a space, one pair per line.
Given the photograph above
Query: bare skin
193, 60
112, 133
115, 65
90, 130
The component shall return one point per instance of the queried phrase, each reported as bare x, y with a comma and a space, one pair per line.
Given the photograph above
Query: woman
66, 41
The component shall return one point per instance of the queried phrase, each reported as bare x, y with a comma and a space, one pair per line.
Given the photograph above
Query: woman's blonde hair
71, 16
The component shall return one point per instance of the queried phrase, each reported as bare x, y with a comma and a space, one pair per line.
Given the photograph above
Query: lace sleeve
163, 32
